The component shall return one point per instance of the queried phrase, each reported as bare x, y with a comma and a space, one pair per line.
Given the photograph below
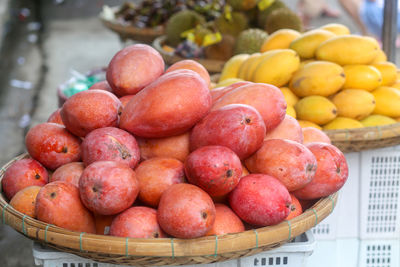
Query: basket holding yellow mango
330, 78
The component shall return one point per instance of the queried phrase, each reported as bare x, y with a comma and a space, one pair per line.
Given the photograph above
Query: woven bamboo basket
126, 31
60, 93
352, 140
211, 65
164, 251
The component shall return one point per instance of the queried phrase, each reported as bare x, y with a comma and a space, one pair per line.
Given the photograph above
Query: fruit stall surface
51, 40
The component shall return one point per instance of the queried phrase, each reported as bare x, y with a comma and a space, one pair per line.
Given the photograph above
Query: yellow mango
227, 82
317, 109
290, 97
336, 28
304, 62
387, 101
304, 124
317, 78
342, 123
307, 43
348, 50
231, 67
363, 77
245, 65
381, 57
253, 64
280, 39
377, 120
388, 71
396, 85
398, 74
277, 68
291, 111
354, 104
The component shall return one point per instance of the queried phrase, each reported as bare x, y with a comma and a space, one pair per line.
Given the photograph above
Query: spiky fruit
263, 15
282, 18
180, 22
250, 41
233, 26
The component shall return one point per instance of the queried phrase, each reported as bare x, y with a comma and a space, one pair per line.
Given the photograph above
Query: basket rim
60, 88
365, 133
120, 28
164, 247
212, 65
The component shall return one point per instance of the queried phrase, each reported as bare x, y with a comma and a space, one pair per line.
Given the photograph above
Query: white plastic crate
293, 254
379, 253
356, 253
369, 203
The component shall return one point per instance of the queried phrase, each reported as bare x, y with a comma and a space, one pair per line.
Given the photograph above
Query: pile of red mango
150, 153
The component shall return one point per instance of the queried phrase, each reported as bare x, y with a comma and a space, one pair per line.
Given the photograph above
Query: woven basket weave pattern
144, 35
352, 140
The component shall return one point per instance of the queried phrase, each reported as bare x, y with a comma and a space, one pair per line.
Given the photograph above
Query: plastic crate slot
321, 229
285, 260
381, 210
378, 255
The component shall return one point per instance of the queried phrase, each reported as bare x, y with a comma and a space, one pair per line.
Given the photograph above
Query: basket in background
129, 32
212, 65
352, 140
100, 73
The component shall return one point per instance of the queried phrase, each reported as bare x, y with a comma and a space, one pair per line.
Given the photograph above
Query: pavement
33, 63
40, 43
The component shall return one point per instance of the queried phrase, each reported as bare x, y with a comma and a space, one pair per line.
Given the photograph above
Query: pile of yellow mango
331, 79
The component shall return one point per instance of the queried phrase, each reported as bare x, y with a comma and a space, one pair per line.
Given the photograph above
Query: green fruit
250, 41
234, 26
263, 15
251, 16
283, 18
180, 22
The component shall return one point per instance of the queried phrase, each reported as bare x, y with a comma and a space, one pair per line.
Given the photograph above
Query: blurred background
42, 43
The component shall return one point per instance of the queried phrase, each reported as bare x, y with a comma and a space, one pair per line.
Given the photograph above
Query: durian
283, 18
250, 41
234, 25
180, 22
